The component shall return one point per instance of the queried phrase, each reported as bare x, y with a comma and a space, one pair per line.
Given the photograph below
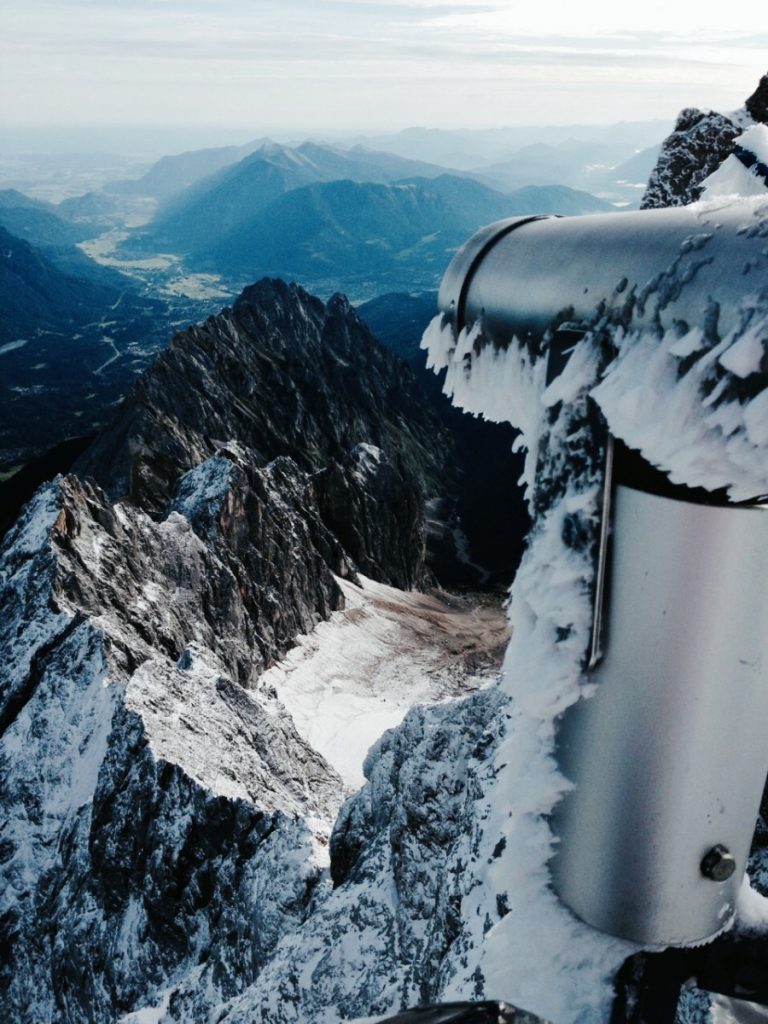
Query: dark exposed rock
376, 511
265, 525
698, 145
757, 104
490, 510
283, 374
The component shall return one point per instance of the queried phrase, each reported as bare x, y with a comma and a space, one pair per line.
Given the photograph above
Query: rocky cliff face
701, 142
158, 816
286, 375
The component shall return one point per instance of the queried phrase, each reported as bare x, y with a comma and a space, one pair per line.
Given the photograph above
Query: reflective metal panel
521, 273
669, 757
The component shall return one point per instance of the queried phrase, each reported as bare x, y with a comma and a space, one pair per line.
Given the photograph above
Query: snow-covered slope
745, 171
356, 675
147, 796
163, 825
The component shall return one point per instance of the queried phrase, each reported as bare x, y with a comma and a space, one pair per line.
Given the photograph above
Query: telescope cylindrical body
522, 272
669, 756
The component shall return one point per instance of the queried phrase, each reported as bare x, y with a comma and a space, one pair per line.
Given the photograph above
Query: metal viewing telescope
669, 757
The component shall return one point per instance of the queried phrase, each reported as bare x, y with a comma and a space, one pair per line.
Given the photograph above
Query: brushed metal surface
669, 757
521, 273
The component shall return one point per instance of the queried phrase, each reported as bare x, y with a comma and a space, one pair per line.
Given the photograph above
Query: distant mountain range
356, 221
210, 207
366, 238
172, 174
604, 170
56, 229
38, 222
470, 149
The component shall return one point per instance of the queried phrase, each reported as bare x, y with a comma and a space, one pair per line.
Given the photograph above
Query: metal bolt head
718, 864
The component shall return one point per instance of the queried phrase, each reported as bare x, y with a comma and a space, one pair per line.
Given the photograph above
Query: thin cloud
429, 61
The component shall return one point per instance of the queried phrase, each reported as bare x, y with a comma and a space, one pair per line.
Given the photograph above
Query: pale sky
256, 65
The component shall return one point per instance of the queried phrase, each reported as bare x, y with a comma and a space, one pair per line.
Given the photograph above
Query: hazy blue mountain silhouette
36, 221
220, 202
367, 238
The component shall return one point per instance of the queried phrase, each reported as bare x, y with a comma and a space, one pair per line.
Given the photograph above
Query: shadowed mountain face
37, 222
362, 238
219, 202
72, 335
491, 509
36, 294
285, 375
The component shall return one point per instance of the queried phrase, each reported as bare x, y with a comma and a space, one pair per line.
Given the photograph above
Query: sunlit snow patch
356, 675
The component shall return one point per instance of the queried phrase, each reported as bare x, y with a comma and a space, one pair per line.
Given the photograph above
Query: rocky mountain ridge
147, 792
286, 375
212, 205
165, 825
700, 143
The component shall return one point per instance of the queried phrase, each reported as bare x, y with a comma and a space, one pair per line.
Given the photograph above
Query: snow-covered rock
703, 144
157, 815
745, 171
164, 820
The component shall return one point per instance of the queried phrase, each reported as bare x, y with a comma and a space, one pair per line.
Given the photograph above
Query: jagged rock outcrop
404, 853
284, 374
265, 526
701, 142
158, 818
757, 104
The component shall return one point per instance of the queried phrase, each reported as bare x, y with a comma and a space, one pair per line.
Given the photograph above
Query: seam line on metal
480, 256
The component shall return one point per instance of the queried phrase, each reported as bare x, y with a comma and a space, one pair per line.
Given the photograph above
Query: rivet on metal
718, 864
